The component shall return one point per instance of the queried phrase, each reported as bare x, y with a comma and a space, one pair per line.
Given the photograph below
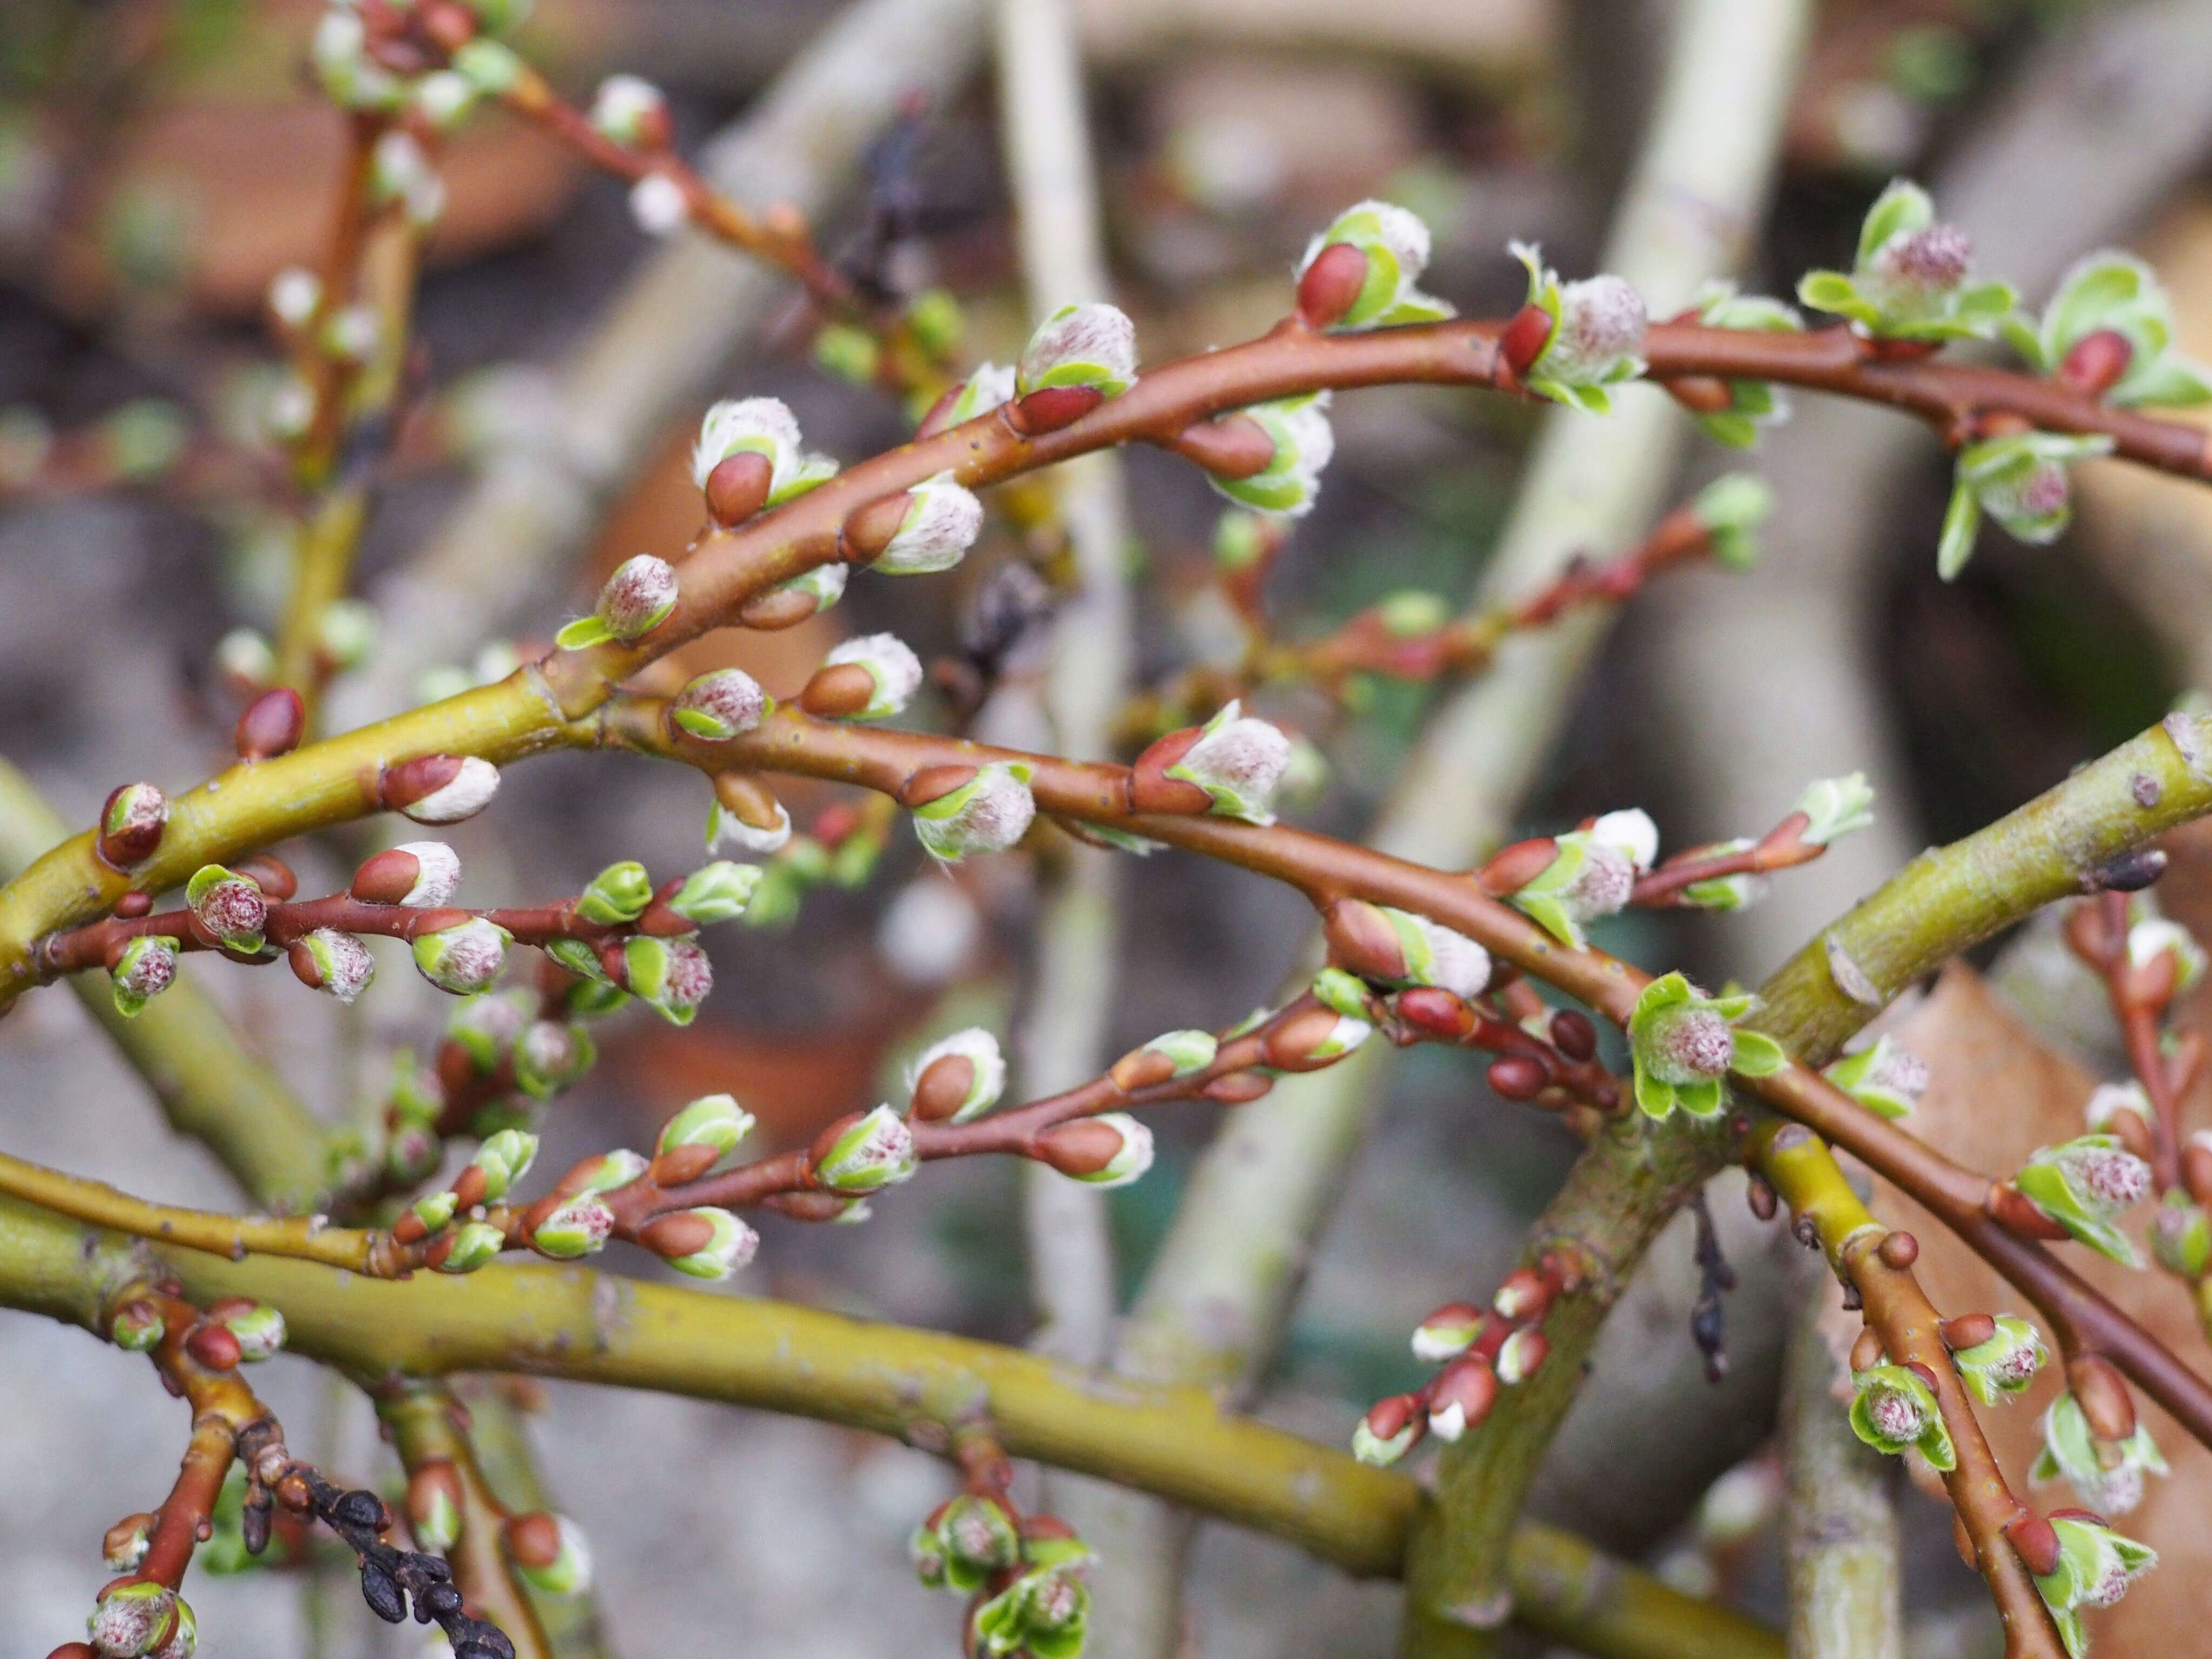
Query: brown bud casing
1052, 408
748, 801
1967, 1330
2197, 1171
471, 1187
272, 725
2106, 1403
2133, 1134
681, 1164
131, 906
868, 529
934, 783
1701, 394
1150, 790
1899, 1250
1922, 1371
1386, 1418
1231, 446
2017, 1216
2096, 362
780, 607
1524, 339
838, 692
807, 1206
133, 841
1761, 1197
942, 1088
1141, 1068
1518, 1077
1866, 1352
1081, 1148
305, 968
1238, 1088
1436, 1012
1331, 284
1468, 1383
410, 1229
1574, 1035
214, 1346
410, 781
738, 487
388, 878
1290, 1046
531, 1541
1515, 866
2036, 1539
668, 1236
271, 875
1361, 939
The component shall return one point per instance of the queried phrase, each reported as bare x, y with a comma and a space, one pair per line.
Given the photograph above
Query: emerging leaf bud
230, 907
574, 1227
718, 706
463, 958
616, 895
672, 974
1834, 807
1448, 1333
1238, 762
866, 1152
1344, 993
1316, 1038
957, 1078
421, 875
1389, 1430
867, 678
138, 1327
504, 1159
965, 1542
1462, 1395
2083, 1185
130, 824
987, 811
2092, 1567
1111, 1150
135, 1619
434, 1505
258, 1328
631, 111
2003, 1363
2105, 1471
146, 967
764, 427
745, 816
715, 892
1684, 1042
703, 1133
474, 1245
550, 1552
1522, 1355
635, 600
1091, 347
1597, 329
1882, 1078
705, 1242
941, 521
126, 1543
1373, 284
1301, 446
1592, 873
1893, 1409
329, 960
1186, 1052
440, 788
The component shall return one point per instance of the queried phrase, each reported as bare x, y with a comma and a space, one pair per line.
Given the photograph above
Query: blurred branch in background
665, 347
1217, 1301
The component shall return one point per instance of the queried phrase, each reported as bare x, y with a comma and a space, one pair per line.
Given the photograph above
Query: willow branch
587, 1327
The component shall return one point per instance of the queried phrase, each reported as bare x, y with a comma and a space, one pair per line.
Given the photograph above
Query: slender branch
575, 1323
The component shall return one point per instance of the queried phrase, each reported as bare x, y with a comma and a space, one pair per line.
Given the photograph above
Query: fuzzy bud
1893, 1409
1448, 1333
879, 676
126, 1543
1522, 1355
440, 788
2083, 1185
464, 958
941, 522
146, 967
2104, 1470
550, 1552
1363, 270
764, 427
715, 892
674, 976
576, 1226
474, 1245
135, 1619
866, 1152
230, 907
1238, 762
706, 1244
988, 810
1882, 1077
423, 875
130, 824
332, 961
138, 1327
718, 706
659, 206
1301, 444
1089, 347
2002, 1363
257, 1327
1111, 1150
633, 602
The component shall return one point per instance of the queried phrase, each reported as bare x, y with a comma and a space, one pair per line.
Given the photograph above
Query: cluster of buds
1682, 1043
2077, 1190
1572, 340
1909, 279
1363, 271
2108, 331
1480, 1350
